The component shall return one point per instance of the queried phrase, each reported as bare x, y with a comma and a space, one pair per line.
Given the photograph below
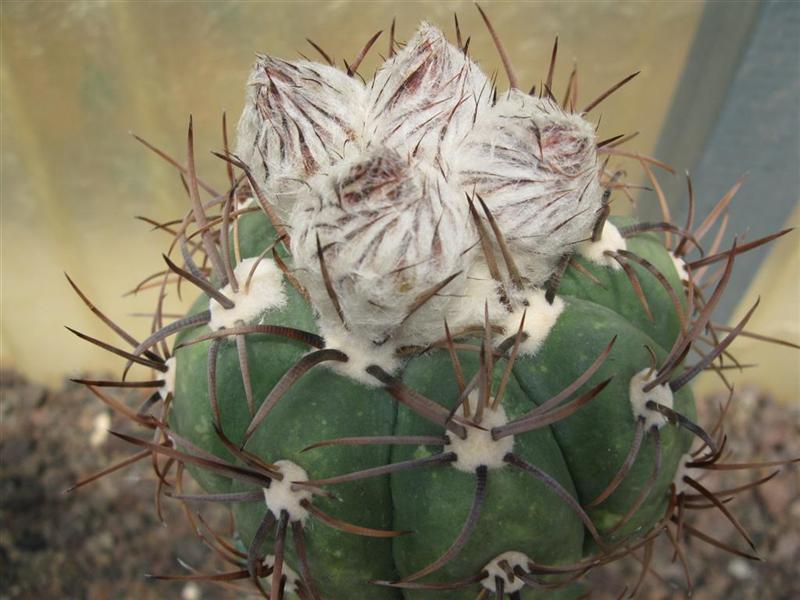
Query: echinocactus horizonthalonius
424, 362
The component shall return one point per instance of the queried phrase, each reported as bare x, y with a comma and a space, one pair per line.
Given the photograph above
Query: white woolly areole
639, 398
292, 578
479, 448
684, 470
282, 495
680, 267
391, 229
610, 241
540, 318
360, 353
482, 292
466, 309
265, 292
536, 168
493, 570
169, 378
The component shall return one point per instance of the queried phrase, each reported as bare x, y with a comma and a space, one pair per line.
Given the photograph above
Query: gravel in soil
99, 541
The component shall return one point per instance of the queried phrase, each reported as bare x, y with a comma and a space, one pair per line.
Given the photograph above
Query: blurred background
719, 95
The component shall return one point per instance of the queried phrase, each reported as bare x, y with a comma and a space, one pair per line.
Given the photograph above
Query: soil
99, 541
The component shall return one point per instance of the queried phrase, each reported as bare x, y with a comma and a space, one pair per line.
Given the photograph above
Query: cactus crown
416, 316
378, 184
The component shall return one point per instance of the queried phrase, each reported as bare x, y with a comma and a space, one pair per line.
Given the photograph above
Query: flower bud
390, 230
536, 168
299, 117
425, 99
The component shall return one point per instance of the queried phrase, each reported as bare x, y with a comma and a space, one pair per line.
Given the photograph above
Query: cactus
424, 362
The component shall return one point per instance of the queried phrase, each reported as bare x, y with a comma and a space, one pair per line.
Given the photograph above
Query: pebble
191, 591
740, 569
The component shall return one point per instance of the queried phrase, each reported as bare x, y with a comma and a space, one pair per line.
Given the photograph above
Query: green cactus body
521, 514
582, 453
596, 439
425, 364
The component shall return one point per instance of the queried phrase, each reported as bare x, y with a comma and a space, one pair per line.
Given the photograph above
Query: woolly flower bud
390, 231
299, 117
535, 166
426, 98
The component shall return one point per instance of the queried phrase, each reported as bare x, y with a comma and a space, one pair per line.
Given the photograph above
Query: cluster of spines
212, 237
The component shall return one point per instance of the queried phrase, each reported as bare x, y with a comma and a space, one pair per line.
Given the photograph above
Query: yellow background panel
778, 315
